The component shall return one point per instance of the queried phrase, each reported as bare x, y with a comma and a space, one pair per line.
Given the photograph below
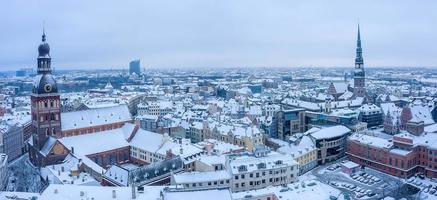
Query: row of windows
47, 104
263, 181
47, 117
187, 185
263, 173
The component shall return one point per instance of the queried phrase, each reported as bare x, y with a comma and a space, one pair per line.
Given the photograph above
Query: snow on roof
88, 144
371, 140
148, 141
311, 130
340, 87
197, 177
48, 145
152, 117
431, 128
62, 173
421, 113
158, 143
304, 146
251, 162
255, 110
246, 131
400, 152
59, 191
392, 108
215, 194
350, 164
213, 159
347, 95
313, 190
317, 106
369, 108
220, 147
94, 117
426, 139
331, 132
117, 174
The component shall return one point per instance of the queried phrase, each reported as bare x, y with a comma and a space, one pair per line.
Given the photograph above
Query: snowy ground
23, 176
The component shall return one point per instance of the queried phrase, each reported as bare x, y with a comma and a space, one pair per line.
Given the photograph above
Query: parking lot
428, 187
363, 184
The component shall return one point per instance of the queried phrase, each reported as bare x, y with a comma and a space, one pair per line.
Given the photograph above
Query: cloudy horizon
196, 33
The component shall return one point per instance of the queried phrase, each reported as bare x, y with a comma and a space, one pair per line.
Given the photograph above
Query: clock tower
45, 108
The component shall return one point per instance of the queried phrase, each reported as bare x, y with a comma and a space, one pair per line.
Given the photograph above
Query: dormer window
278, 162
242, 168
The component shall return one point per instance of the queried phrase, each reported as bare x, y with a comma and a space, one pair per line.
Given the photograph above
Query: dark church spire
43, 34
359, 52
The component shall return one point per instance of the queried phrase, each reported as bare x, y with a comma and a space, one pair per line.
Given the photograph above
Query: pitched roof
94, 117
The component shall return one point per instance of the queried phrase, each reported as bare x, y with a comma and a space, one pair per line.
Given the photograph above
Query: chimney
72, 150
114, 194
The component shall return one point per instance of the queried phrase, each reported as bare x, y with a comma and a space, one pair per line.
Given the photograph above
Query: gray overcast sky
221, 33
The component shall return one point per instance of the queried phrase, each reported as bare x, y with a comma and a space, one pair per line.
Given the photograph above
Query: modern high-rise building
45, 110
359, 74
134, 67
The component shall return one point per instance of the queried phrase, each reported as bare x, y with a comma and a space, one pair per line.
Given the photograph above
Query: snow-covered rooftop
94, 117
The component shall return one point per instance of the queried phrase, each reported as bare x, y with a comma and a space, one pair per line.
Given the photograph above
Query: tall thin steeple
359, 74
359, 62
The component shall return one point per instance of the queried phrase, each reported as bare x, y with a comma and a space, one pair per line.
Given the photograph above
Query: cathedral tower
45, 107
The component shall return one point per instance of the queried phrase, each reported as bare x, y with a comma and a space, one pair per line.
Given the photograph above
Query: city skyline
171, 35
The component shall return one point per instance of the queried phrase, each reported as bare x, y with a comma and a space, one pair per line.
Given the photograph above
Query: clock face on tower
47, 88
